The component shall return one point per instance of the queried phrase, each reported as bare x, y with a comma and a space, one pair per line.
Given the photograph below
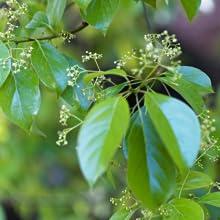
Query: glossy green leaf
4, 69
191, 7
211, 199
39, 20
116, 72
171, 117
151, 172
185, 209
114, 90
20, 98
55, 10
100, 13
197, 180
122, 214
50, 66
82, 3
101, 135
191, 85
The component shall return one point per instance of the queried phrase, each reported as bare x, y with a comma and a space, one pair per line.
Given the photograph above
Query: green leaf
117, 72
100, 13
20, 98
197, 180
101, 135
151, 173
55, 10
185, 209
39, 20
152, 3
178, 127
114, 90
82, 3
211, 199
191, 7
122, 214
4, 69
192, 85
50, 66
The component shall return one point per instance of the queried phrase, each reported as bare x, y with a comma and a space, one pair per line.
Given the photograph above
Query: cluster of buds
91, 56
67, 36
126, 201
160, 49
13, 12
64, 115
165, 210
22, 61
73, 73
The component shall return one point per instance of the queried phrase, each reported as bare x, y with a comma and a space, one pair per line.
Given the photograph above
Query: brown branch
82, 26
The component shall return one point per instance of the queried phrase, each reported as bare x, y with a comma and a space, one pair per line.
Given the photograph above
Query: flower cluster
65, 115
13, 12
160, 49
91, 56
209, 144
23, 59
73, 73
67, 36
126, 200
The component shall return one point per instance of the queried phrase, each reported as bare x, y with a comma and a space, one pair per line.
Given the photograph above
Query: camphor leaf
151, 172
101, 135
55, 10
114, 90
2, 214
122, 214
185, 209
100, 13
50, 66
117, 72
171, 117
20, 98
5, 65
191, 83
211, 199
39, 20
197, 180
191, 7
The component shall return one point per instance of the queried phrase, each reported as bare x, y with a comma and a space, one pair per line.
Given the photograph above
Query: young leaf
50, 66
100, 13
116, 72
20, 98
122, 214
197, 180
101, 135
39, 20
114, 90
191, 7
171, 117
211, 199
55, 10
192, 85
185, 209
5, 67
151, 172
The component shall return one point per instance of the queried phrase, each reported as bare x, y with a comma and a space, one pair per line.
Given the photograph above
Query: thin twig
82, 26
